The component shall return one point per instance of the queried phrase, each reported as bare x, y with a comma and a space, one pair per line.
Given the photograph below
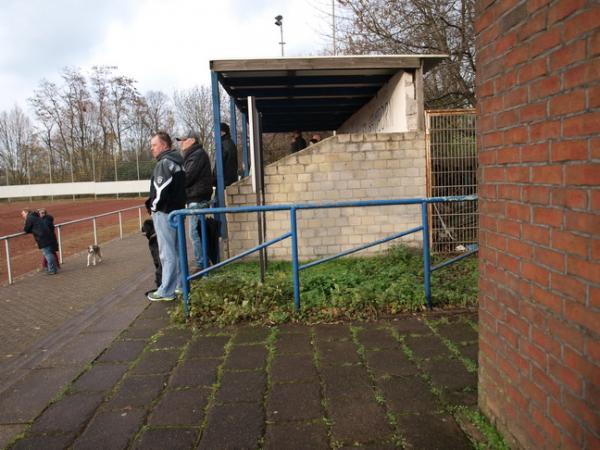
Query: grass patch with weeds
344, 289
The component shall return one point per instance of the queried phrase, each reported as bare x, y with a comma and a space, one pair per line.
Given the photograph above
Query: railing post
8, 265
204, 240
426, 256
295, 275
120, 225
183, 263
95, 232
60, 252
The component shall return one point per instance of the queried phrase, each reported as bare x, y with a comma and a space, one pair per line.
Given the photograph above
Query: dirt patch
24, 253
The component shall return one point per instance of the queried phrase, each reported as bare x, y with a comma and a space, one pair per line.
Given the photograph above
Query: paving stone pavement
386, 384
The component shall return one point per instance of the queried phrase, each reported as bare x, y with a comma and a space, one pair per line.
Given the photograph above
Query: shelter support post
220, 194
233, 120
245, 148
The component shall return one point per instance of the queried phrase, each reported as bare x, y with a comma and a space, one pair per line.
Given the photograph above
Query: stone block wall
341, 168
538, 89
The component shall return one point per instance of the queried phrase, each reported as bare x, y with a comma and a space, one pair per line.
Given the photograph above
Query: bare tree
16, 146
417, 26
159, 111
193, 109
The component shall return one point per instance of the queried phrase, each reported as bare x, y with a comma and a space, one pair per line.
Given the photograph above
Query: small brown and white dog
93, 254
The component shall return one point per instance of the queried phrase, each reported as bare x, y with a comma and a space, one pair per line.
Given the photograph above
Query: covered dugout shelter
368, 96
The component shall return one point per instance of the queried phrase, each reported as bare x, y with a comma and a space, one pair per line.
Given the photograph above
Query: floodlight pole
279, 23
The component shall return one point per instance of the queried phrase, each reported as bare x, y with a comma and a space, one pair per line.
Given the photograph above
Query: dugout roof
316, 93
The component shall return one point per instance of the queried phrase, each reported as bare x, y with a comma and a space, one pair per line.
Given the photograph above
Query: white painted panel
83, 188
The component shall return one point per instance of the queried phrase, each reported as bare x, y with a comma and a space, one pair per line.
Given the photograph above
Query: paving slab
251, 334
208, 347
294, 343
426, 346
390, 362
406, 326
70, 413
156, 362
450, 374
231, 426
432, 432
360, 422
337, 352
458, 331
246, 357
408, 394
377, 338
172, 338
110, 429
195, 372
162, 439
8, 433
120, 351
347, 382
53, 442
294, 402
332, 332
242, 387
285, 368
100, 377
298, 436
180, 408
137, 391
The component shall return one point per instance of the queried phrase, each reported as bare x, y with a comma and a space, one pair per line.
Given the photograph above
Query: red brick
595, 43
516, 56
506, 367
534, 5
496, 241
508, 155
579, 408
537, 234
582, 125
491, 174
518, 211
567, 103
515, 97
584, 269
545, 87
568, 423
507, 118
547, 174
508, 335
594, 97
569, 243
569, 150
517, 174
536, 194
485, 90
509, 192
567, 55
565, 375
532, 352
583, 316
568, 286
506, 42
505, 82
596, 200
579, 364
544, 42
509, 227
541, 419
548, 216
533, 314
535, 273
487, 158
595, 144
569, 198
543, 131
532, 70
552, 259
541, 378
535, 152
584, 73
593, 347
562, 9
583, 174
584, 222
565, 331
596, 249
517, 323
519, 248
581, 23
536, 111
493, 139
547, 299
534, 24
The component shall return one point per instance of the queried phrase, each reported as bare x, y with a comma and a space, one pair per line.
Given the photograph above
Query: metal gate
452, 171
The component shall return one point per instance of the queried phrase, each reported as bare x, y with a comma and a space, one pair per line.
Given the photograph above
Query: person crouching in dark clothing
148, 230
49, 221
43, 237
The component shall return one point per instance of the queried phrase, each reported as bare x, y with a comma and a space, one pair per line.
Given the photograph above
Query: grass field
25, 255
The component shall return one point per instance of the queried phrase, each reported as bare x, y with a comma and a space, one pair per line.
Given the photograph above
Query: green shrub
350, 288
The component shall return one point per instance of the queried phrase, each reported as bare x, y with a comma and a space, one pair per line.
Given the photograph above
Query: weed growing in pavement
493, 439
344, 289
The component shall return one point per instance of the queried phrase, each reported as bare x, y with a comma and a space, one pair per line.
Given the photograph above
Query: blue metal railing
177, 220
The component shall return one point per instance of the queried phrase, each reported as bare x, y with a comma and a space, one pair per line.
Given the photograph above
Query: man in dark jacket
49, 221
167, 193
230, 160
198, 185
298, 142
42, 235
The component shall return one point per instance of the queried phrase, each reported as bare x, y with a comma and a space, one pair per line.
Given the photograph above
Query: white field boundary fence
80, 188
59, 233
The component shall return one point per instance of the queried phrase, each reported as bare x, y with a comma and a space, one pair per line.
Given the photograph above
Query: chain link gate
452, 171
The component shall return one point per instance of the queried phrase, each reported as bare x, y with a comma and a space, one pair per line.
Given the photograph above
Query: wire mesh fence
452, 170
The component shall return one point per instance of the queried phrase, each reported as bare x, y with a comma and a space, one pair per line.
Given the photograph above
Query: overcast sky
164, 45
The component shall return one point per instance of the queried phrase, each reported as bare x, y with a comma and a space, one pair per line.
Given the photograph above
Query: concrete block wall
538, 89
341, 168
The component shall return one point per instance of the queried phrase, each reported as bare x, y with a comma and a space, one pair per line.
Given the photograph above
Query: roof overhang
317, 93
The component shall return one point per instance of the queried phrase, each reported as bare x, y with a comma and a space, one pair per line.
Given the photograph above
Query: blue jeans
50, 259
167, 249
193, 232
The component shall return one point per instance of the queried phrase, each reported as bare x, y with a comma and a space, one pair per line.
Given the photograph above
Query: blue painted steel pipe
220, 193
183, 263
426, 261
176, 220
232, 120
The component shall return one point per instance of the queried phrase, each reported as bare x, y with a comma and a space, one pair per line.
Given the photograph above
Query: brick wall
341, 168
539, 103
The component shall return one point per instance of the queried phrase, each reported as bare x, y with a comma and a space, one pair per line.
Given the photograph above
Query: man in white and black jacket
167, 193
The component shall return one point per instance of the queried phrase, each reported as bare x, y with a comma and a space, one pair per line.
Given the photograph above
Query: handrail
177, 220
59, 226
